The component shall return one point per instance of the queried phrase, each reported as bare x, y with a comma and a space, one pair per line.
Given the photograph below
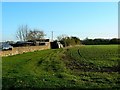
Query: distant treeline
71, 41
100, 41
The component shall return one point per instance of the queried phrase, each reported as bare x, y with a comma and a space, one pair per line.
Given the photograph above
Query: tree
35, 34
68, 41
22, 32
76, 39
62, 38
115, 41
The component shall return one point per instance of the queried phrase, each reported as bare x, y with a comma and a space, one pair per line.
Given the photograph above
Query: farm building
29, 46
39, 42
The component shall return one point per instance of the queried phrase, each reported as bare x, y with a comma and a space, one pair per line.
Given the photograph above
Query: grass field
76, 67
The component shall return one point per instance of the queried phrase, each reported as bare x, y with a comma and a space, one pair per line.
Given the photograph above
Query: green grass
76, 67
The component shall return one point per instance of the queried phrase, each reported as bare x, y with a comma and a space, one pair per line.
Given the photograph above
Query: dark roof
41, 40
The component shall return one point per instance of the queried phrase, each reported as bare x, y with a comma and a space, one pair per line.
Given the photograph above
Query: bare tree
63, 39
22, 32
35, 34
63, 36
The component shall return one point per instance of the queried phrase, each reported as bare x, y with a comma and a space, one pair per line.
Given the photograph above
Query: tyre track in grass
87, 66
51, 58
71, 62
98, 69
